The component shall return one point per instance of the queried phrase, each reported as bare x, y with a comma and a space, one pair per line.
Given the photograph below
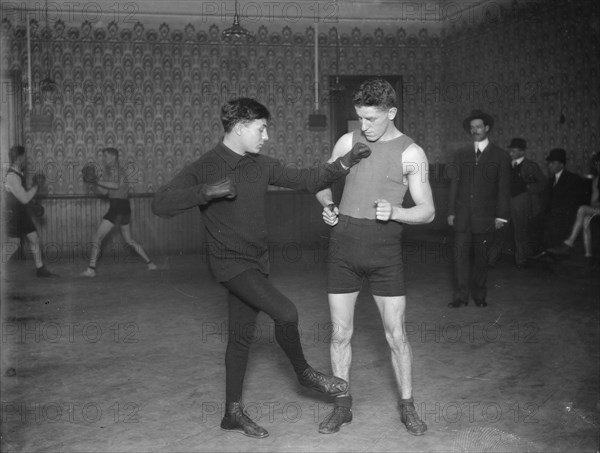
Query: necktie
477, 154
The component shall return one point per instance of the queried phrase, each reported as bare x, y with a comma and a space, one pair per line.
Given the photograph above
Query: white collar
482, 145
557, 175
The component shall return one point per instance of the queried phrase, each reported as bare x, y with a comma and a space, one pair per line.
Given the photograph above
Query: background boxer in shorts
18, 222
114, 183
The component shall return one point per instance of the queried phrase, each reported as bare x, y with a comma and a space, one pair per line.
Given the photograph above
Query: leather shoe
410, 418
457, 303
338, 417
560, 250
235, 419
331, 385
481, 303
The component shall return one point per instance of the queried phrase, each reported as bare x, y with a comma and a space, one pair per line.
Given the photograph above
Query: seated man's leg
392, 314
581, 224
590, 214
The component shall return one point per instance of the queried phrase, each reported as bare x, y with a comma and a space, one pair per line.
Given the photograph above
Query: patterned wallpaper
535, 69
155, 93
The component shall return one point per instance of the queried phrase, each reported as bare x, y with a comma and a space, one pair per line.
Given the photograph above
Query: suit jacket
567, 195
479, 191
536, 182
533, 176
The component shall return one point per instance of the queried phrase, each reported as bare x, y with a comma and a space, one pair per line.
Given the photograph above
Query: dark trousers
249, 293
550, 228
470, 264
520, 209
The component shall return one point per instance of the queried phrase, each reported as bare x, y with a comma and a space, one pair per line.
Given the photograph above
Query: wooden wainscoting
69, 224
293, 219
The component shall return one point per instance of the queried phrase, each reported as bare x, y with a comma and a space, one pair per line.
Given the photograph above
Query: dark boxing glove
358, 152
89, 174
36, 209
39, 180
225, 188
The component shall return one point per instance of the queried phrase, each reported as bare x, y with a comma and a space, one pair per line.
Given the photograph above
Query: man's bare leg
392, 311
341, 307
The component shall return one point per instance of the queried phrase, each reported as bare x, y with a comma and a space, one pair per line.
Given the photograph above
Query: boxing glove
358, 152
225, 188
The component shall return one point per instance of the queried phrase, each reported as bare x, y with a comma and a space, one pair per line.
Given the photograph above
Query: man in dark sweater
229, 184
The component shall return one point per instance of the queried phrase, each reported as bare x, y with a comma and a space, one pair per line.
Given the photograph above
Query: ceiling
274, 14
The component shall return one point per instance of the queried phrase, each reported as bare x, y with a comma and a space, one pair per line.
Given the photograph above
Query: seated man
564, 194
585, 214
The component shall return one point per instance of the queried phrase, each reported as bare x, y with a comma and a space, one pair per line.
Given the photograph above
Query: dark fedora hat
557, 154
518, 143
475, 115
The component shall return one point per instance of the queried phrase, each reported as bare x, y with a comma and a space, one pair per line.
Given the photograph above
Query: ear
238, 128
392, 113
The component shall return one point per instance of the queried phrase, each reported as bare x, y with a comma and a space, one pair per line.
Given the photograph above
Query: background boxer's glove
39, 180
36, 209
225, 188
358, 152
89, 174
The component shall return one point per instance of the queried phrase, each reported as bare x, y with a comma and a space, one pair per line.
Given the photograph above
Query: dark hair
242, 110
15, 152
375, 93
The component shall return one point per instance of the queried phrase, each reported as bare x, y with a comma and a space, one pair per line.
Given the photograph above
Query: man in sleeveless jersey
366, 241
18, 222
115, 184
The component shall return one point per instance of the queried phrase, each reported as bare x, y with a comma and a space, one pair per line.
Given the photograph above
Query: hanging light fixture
47, 85
236, 30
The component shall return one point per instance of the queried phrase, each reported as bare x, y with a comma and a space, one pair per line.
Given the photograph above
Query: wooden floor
132, 361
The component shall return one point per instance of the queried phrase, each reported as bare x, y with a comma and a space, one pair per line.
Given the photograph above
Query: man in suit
527, 182
585, 214
479, 204
564, 194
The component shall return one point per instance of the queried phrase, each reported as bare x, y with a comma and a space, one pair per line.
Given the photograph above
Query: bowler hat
478, 114
518, 143
557, 154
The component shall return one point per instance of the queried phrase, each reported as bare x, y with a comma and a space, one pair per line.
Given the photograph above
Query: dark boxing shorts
362, 249
119, 211
18, 220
